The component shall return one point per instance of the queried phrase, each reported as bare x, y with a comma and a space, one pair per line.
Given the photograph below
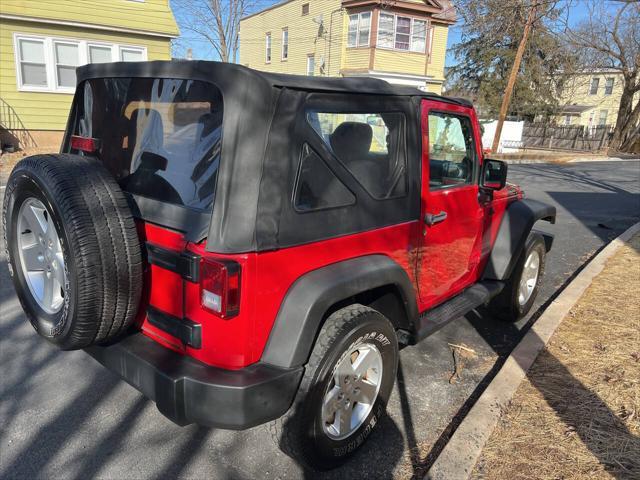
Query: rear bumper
187, 391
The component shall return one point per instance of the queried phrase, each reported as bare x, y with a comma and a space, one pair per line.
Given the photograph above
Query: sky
203, 50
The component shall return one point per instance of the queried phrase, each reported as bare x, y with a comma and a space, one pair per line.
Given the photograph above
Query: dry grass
577, 415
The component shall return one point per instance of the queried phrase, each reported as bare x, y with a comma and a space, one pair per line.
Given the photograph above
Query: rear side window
369, 145
318, 187
161, 138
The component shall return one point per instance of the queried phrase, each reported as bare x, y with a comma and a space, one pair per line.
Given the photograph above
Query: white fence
510, 138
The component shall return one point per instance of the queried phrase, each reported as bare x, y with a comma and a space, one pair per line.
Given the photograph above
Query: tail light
85, 144
220, 287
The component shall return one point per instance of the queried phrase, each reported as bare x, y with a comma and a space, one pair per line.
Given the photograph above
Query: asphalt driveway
64, 416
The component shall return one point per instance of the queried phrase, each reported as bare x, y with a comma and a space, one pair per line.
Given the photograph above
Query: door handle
432, 218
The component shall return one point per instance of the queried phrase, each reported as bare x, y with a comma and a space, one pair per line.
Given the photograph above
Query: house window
595, 82
419, 36
305, 9
49, 64
567, 120
267, 42
602, 119
311, 65
131, 54
67, 58
402, 33
285, 43
359, 29
608, 87
32, 69
100, 54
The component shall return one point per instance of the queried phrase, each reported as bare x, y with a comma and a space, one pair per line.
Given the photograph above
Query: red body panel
451, 257
450, 251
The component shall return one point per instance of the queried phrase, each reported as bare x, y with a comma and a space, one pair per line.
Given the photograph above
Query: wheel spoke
344, 369
366, 360
49, 290
58, 272
32, 257
344, 419
367, 393
35, 219
330, 405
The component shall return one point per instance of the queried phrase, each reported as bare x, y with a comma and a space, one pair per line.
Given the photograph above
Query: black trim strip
186, 264
185, 330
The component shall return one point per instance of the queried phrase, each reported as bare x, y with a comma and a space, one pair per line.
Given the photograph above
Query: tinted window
369, 145
317, 186
161, 138
451, 150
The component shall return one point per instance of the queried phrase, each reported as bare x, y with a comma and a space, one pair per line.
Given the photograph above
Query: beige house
591, 98
402, 42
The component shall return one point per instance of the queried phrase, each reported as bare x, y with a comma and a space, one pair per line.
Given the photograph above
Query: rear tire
320, 431
521, 290
78, 203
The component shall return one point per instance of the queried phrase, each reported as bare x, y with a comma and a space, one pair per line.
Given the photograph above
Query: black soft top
264, 132
212, 71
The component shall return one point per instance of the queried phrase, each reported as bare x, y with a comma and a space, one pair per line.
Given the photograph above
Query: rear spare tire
74, 253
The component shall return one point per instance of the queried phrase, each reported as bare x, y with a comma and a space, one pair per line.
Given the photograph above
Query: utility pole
506, 100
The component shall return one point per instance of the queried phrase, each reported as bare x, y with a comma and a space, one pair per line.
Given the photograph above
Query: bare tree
217, 22
610, 38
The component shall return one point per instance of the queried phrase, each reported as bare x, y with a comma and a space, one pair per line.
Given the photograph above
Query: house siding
47, 110
331, 45
303, 37
150, 15
576, 92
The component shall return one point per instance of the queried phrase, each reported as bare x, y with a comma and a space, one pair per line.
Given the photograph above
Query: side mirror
494, 174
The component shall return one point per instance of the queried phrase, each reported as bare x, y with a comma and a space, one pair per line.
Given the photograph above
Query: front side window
452, 155
285, 44
67, 59
595, 82
33, 66
267, 41
369, 145
608, 87
359, 29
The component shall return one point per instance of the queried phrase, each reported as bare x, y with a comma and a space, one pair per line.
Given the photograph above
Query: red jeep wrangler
245, 247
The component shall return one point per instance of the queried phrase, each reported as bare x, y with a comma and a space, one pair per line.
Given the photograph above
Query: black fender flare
516, 224
303, 309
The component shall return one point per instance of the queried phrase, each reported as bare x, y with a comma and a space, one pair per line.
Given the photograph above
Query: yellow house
400, 41
42, 42
591, 98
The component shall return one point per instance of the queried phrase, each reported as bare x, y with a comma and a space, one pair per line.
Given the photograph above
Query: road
64, 416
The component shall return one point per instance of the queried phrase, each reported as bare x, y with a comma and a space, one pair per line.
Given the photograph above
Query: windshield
160, 138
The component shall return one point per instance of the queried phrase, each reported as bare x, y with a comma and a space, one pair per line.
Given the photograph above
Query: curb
459, 456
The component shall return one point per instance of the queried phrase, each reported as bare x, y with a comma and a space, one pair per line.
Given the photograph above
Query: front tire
521, 290
344, 391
